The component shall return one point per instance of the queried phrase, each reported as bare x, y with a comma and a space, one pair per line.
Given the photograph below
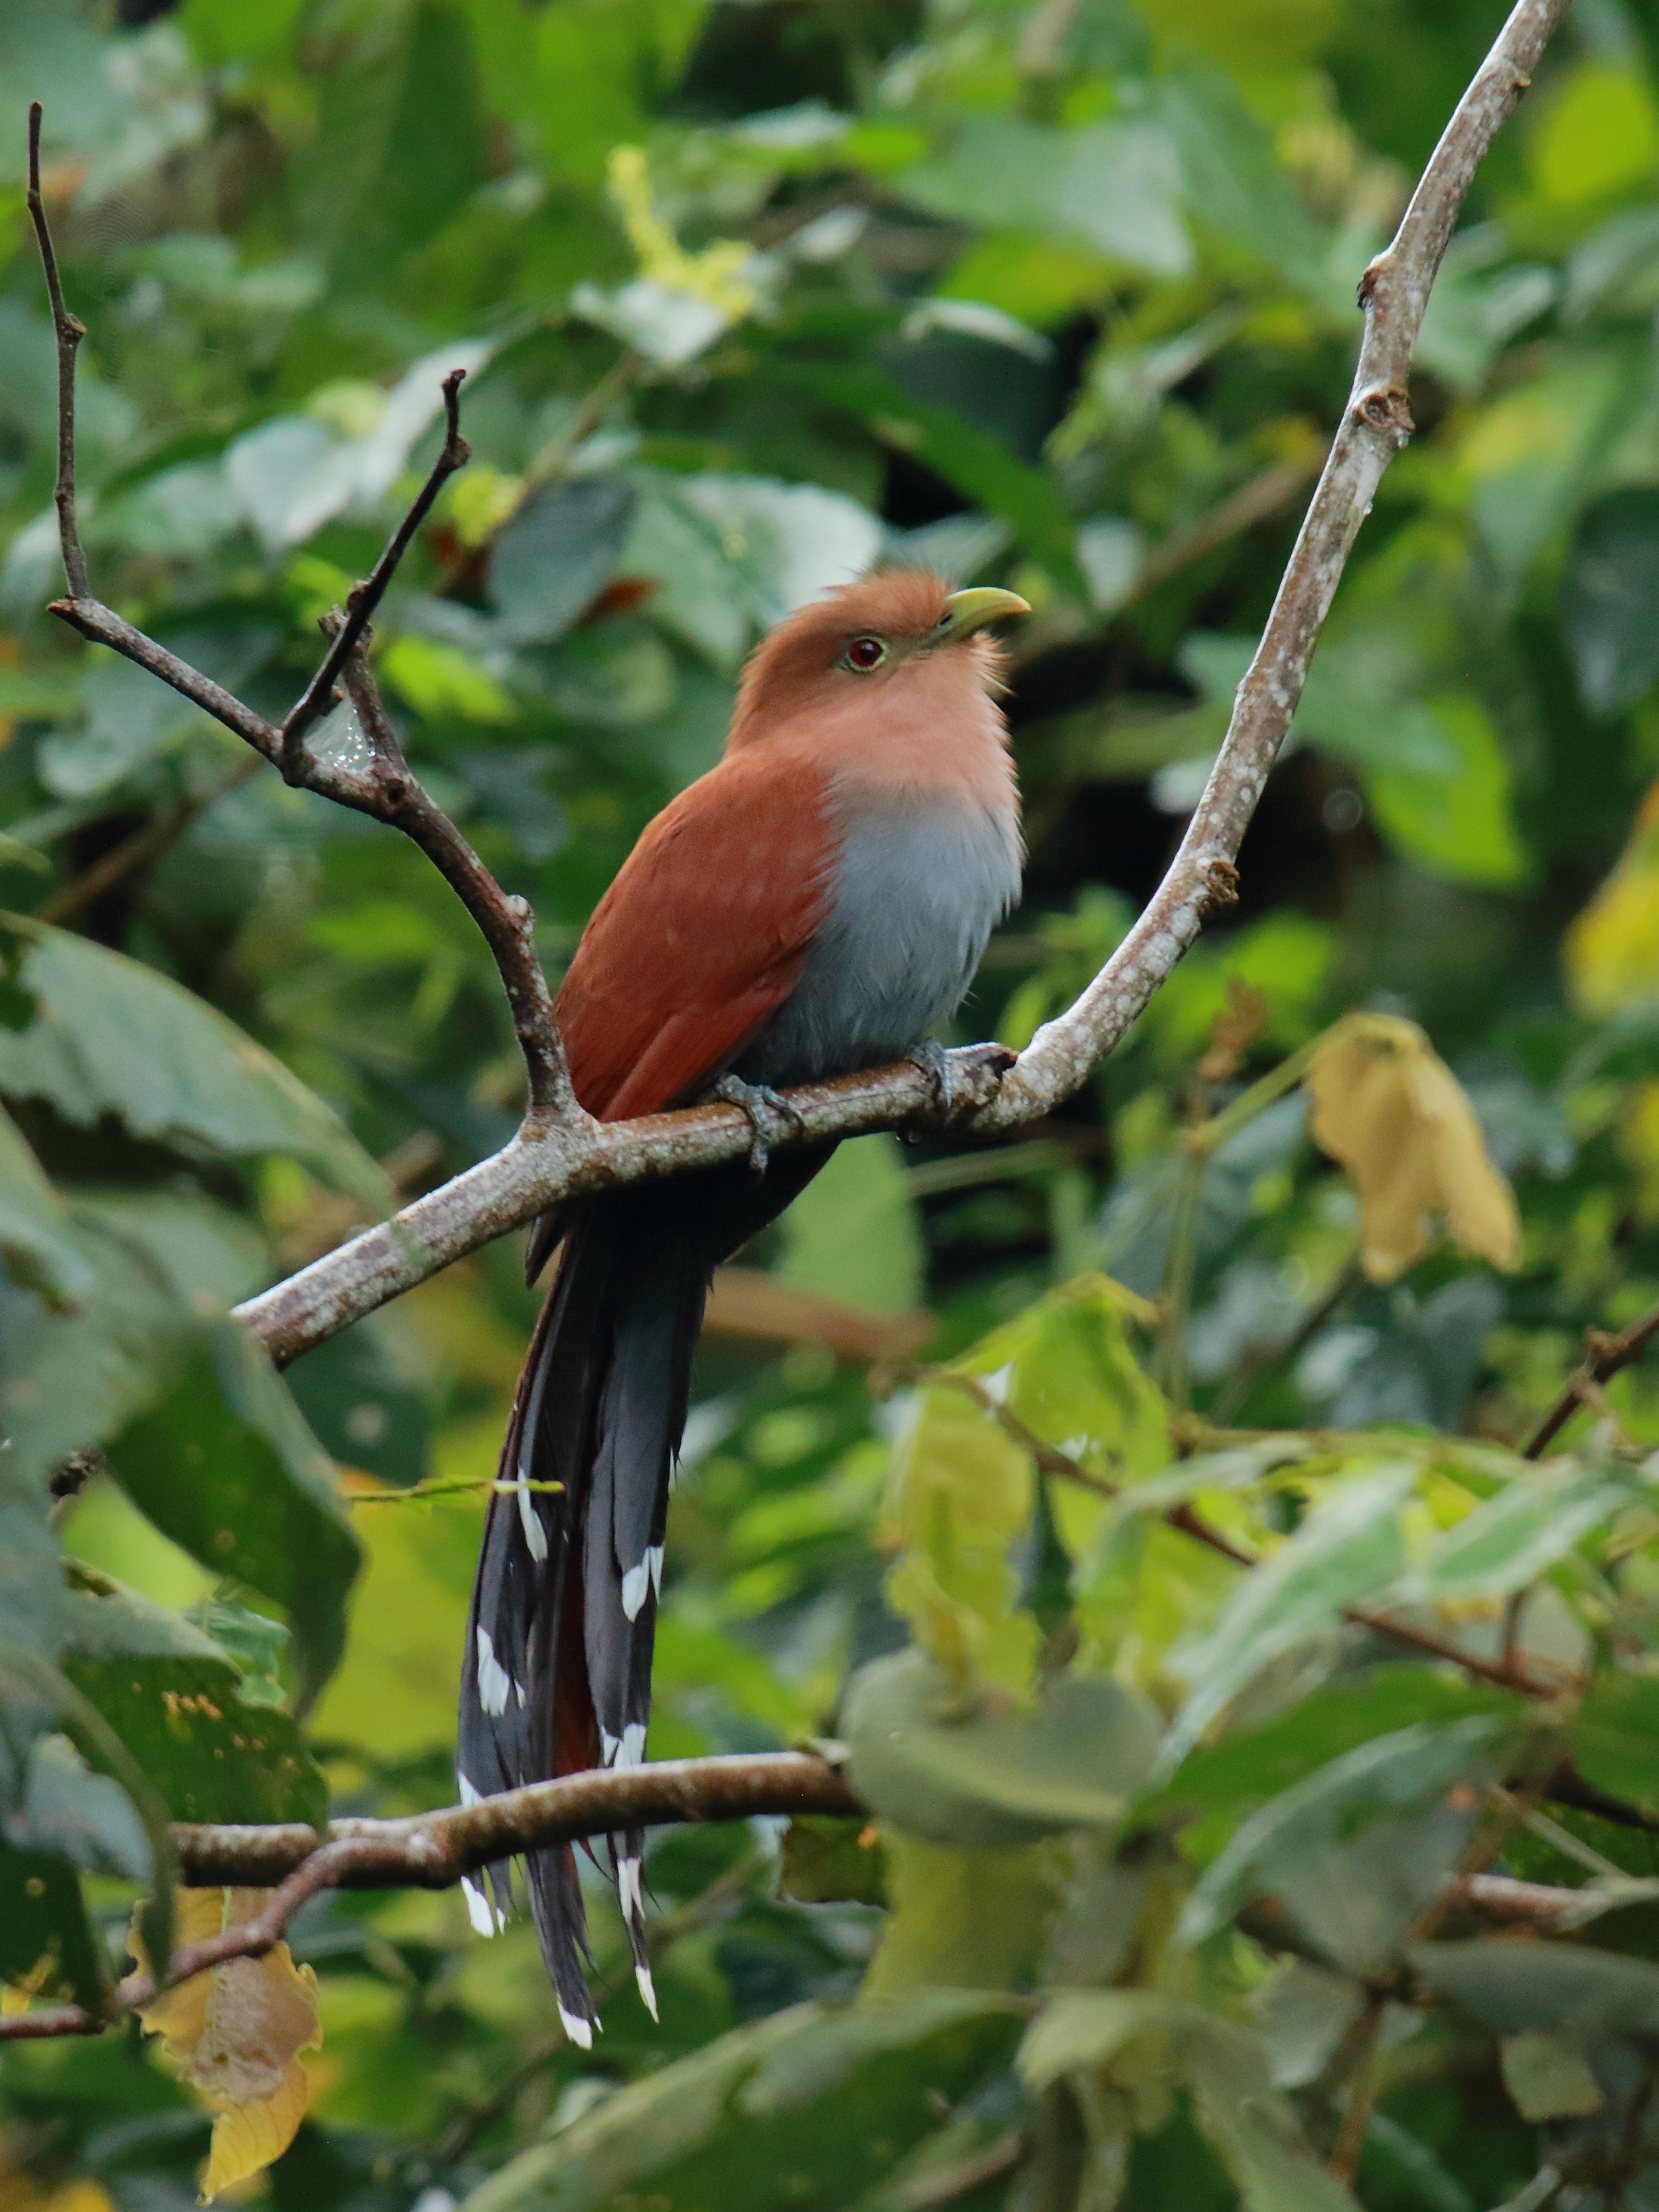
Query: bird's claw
763, 1107
946, 1070
934, 1062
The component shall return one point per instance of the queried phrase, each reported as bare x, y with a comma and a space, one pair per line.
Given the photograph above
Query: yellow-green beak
967, 611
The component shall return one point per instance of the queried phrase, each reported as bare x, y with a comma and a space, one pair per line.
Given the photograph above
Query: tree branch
385, 789
515, 1184
1605, 1353
363, 599
433, 1850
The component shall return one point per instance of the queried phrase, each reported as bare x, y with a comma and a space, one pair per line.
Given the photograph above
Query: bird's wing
701, 936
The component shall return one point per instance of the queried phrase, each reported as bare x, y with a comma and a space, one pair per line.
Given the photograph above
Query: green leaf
962, 1919
1115, 186
1614, 1735
47, 1942
1456, 822
225, 1466
854, 1233
980, 466
33, 1240
823, 1861
399, 143
1551, 1989
1548, 2076
1256, 1764
69, 1380
173, 1698
1073, 1761
557, 554
113, 1036
959, 1499
1513, 1538
1355, 1850
1349, 1544
807, 2107
1609, 592
1249, 2123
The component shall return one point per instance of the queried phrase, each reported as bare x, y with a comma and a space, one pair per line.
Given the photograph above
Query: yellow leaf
1387, 1108
1612, 948
235, 2036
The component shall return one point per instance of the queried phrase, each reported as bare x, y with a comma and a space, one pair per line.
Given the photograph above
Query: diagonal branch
363, 599
511, 1187
1605, 1353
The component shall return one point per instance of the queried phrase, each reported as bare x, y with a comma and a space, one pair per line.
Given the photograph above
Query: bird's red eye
865, 652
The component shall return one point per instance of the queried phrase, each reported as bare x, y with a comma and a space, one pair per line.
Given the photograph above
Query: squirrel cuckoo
811, 906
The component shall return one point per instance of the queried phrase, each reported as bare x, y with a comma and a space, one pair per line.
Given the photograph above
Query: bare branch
435, 1850
1605, 1353
515, 1184
362, 599
387, 790
69, 331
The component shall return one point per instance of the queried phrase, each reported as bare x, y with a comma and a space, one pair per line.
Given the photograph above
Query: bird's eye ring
864, 653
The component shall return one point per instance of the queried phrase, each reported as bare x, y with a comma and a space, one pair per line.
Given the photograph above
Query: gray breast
916, 897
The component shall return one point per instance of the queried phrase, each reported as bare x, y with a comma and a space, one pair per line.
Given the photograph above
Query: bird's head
897, 636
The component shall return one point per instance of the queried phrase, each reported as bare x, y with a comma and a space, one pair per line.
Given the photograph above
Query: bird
817, 903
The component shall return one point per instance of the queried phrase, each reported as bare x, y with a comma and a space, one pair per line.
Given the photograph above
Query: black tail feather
556, 1675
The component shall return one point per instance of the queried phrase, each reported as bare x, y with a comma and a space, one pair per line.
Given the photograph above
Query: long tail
556, 1675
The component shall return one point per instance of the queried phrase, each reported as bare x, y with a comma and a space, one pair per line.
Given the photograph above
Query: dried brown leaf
236, 2034
1387, 1108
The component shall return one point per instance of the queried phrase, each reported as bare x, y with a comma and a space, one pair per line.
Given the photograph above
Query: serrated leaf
110, 1036
225, 1464
235, 2035
1074, 1760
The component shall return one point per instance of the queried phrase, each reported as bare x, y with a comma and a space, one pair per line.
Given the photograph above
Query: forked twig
386, 789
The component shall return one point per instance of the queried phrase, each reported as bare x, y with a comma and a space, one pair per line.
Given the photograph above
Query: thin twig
363, 599
1605, 1353
387, 790
1359, 2054
69, 331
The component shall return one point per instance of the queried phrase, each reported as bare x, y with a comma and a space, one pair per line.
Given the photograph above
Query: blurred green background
753, 293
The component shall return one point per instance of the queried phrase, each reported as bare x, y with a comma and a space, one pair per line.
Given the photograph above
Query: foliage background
1061, 297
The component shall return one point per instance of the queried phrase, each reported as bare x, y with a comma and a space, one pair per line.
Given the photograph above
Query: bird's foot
959, 1078
763, 1109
